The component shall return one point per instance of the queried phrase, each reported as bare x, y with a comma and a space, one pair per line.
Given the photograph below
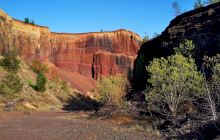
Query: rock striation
88, 54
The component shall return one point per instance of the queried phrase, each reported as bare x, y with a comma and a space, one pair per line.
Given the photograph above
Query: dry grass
30, 100
149, 131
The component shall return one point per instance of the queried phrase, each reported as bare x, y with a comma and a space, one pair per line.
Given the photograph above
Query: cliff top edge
5, 15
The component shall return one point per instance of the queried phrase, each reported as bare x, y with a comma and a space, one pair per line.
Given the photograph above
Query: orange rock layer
89, 54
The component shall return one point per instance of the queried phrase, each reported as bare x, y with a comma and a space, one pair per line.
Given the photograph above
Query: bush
199, 4
27, 20
41, 79
10, 62
211, 102
37, 67
187, 48
174, 80
41, 82
32, 22
111, 89
212, 1
10, 85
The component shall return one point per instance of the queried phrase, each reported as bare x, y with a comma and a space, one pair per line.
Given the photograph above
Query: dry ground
63, 126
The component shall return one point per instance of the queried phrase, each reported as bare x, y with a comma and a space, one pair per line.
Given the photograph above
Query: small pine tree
41, 82
145, 39
10, 62
10, 85
27, 20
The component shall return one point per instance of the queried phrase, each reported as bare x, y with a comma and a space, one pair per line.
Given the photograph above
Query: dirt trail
60, 126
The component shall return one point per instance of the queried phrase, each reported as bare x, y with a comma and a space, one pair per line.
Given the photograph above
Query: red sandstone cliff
88, 54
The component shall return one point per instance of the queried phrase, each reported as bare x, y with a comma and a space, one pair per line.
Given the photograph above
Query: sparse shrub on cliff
41, 82
11, 62
212, 1
176, 8
10, 85
198, 4
145, 39
111, 89
27, 20
32, 22
41, 79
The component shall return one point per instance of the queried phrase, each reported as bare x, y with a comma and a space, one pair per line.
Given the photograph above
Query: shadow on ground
82, 103
208, 131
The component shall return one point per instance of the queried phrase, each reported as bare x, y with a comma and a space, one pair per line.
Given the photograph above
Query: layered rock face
201, 25
88, 54
94, 54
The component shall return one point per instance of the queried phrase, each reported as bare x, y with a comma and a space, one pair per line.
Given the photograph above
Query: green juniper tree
41, 79
11, 62
11, 84
41, 82
27, 20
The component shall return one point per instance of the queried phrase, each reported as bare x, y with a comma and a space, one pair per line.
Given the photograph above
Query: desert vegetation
21, 84
176, 89
28, 21
111, 90
173, 91
11, 83
202, 3
41, 79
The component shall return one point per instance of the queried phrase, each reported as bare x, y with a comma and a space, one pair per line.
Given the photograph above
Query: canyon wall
87, 55
202, 26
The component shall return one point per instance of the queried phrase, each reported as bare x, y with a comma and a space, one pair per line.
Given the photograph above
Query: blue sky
78, 16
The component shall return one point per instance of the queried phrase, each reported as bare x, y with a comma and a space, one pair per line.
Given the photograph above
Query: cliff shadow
82, 103
208, 131
148, 51
206, 39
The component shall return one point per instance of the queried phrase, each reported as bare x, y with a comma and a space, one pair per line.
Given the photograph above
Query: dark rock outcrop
200, 25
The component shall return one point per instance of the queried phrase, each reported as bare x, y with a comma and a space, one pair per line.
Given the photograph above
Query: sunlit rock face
95, 54
88, 54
